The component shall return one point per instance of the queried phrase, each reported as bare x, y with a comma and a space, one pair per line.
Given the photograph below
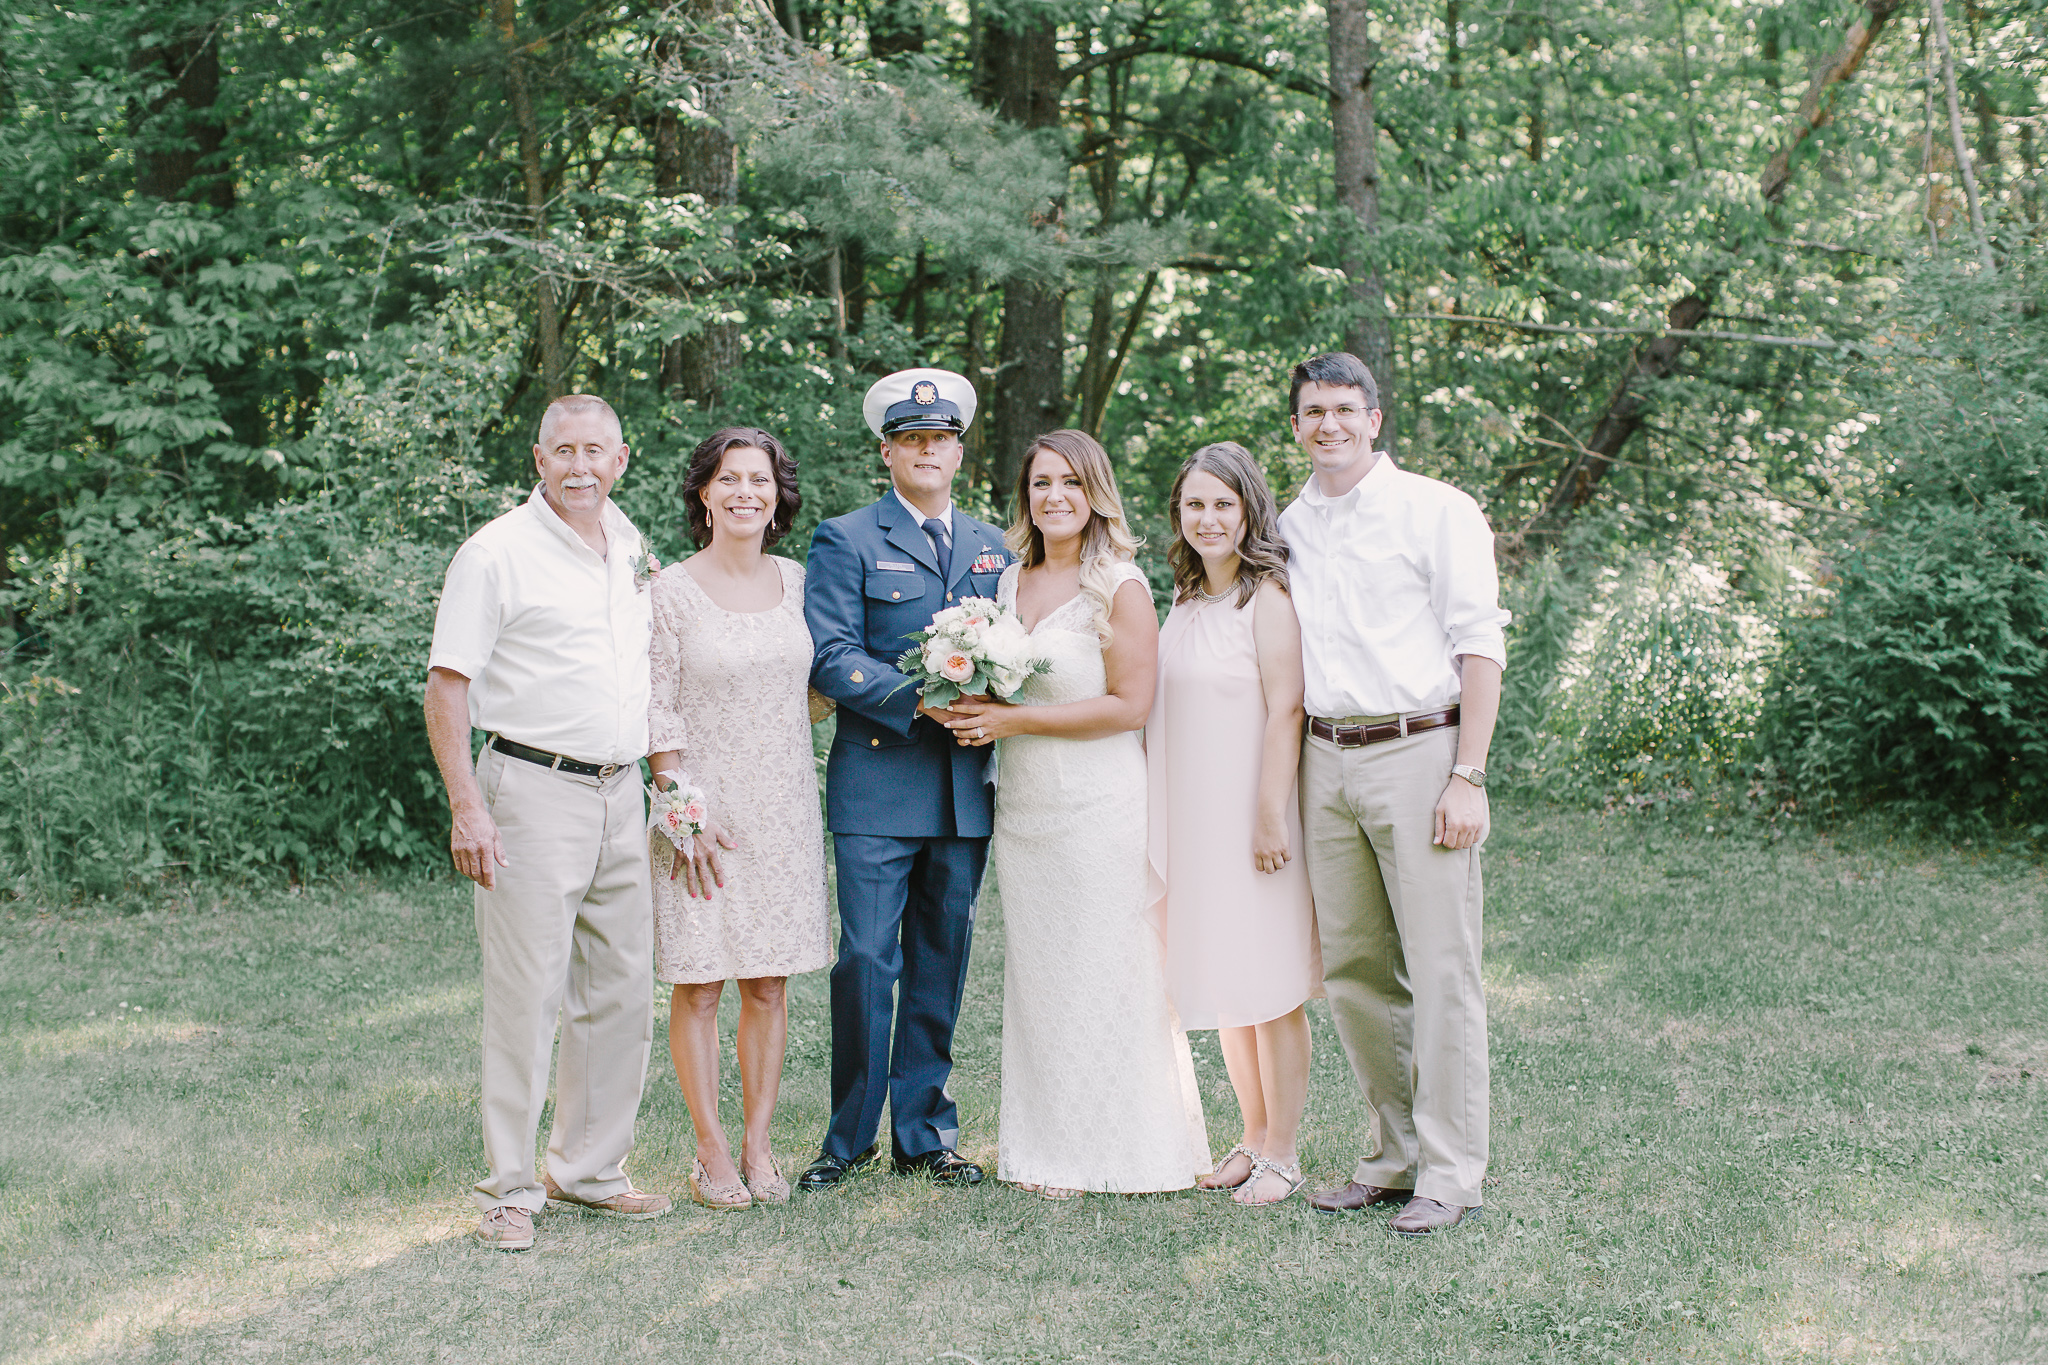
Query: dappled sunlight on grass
269, 1264
1739, 1113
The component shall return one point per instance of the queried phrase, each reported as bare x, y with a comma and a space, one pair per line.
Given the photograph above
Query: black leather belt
1357, 736
558, 763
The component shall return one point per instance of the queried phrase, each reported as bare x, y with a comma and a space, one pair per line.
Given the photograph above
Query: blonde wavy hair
1107, 539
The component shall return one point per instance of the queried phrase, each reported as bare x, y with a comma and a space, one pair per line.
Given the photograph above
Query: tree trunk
1955, 132
1818, 105
1095, 395
835, 292
183, 132
1626, 409
1353, 134
699, 157
554, 367
1028, 399
856, 287
1454, 58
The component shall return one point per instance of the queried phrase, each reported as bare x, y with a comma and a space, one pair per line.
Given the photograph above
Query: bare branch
1758, 338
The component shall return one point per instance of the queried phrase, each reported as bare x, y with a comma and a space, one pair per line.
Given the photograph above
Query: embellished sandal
770, 1190
726, 1198
1240, 1150
1260, 1166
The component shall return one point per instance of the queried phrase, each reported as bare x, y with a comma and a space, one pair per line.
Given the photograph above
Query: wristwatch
1476, 776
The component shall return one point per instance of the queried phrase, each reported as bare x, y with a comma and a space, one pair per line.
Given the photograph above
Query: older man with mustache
542, 642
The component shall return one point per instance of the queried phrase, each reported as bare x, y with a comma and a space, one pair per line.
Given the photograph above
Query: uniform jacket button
874, 743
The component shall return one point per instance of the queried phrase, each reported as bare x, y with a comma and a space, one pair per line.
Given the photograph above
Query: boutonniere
645, 566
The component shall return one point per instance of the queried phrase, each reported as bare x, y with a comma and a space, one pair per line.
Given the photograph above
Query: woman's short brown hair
710, 455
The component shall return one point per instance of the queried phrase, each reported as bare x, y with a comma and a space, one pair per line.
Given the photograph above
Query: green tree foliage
272, 335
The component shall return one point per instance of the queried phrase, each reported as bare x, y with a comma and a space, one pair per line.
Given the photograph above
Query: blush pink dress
1240, 943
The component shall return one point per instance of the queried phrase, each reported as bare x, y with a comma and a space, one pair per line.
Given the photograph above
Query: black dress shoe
945, 1166
828, 1170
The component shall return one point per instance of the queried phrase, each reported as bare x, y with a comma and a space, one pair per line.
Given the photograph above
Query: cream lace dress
730, 694
1098, 1086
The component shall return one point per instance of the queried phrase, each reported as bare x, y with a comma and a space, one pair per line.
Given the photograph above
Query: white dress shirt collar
609, 516
911, 507
1377, 475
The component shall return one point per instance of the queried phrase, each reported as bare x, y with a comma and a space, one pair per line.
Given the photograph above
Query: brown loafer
631, 1204
1354, 1196
1423, 1217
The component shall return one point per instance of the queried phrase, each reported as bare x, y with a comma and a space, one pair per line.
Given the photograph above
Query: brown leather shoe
1423, 1217
1354, 1196
631, 1204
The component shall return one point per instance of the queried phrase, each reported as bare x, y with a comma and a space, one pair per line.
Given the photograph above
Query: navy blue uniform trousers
906, 918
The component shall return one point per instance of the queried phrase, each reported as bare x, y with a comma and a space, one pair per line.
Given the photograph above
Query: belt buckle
1348, 736
608, 769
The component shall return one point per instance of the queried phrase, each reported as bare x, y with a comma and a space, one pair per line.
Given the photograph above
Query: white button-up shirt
1392, 582
552, 636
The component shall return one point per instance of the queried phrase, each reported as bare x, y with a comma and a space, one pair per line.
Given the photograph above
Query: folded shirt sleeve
1465, 590
471, 614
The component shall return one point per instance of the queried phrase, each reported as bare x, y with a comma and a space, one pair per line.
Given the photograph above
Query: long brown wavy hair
1261, 553
1106, 540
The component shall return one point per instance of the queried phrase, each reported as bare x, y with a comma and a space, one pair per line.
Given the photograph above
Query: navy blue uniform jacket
871, 579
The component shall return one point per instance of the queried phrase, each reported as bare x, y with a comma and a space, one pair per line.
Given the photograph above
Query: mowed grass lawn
1751, 1100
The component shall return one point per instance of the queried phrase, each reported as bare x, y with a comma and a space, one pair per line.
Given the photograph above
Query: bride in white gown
1098, 1086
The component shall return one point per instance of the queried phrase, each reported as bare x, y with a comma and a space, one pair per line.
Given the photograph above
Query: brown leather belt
553, 761
1357, 736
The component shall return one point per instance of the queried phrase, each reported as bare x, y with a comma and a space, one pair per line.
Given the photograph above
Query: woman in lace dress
1098, 1086
1229, 884
731, 669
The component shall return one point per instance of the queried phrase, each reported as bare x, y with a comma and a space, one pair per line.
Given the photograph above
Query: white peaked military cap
919, 400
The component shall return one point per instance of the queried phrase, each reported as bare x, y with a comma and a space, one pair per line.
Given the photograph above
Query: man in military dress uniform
910, 811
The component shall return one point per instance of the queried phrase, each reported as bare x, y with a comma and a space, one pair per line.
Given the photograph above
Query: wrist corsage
679, 813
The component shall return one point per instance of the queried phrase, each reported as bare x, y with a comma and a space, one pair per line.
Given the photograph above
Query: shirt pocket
895, 587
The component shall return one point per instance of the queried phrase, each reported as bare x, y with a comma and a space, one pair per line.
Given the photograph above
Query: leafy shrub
1545, 606
1926, 683
1663, 680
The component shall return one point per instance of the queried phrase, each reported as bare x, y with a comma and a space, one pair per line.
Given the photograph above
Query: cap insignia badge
924, 393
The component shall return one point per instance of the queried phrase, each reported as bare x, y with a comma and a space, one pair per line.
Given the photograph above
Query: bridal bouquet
679, 813
973, 648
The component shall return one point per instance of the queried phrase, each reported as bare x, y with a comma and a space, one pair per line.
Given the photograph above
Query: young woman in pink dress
1230, 889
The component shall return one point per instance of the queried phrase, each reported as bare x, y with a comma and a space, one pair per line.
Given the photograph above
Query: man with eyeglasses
1393, 577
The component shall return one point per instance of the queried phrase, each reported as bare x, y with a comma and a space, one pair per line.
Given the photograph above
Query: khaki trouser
568, 929
1400, 924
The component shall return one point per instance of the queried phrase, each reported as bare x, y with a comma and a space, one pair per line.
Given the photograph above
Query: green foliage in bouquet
974, 648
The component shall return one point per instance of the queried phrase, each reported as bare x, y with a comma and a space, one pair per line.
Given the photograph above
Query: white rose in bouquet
974, 646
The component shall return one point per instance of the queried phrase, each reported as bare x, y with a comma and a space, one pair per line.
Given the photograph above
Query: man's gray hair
575, 404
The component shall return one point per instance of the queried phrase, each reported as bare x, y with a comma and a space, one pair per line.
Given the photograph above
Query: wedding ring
980, 733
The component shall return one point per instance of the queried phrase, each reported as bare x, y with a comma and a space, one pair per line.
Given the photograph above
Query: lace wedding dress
1098, 1086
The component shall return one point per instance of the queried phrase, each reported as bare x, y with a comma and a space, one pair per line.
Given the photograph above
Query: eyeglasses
1345, 415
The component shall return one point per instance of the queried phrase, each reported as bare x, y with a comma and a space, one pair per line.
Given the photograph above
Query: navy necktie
941, 545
